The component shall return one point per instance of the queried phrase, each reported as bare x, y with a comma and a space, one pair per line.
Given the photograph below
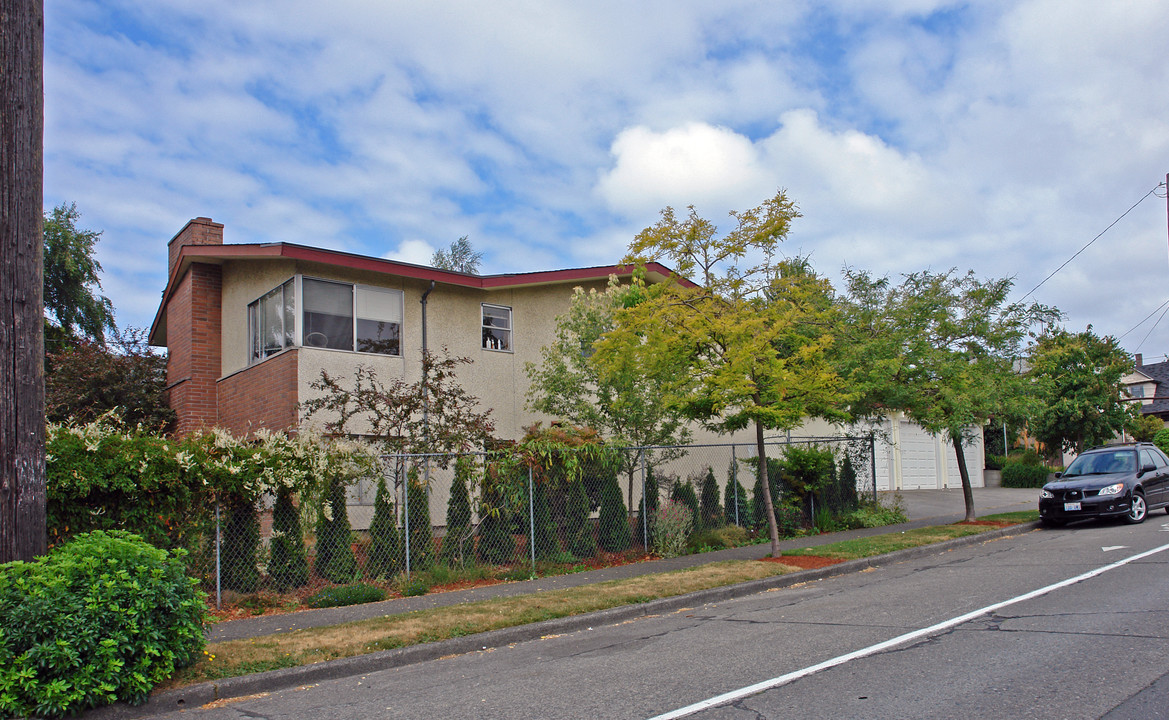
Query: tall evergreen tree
241, 540
547, 546
683, 492
458, 513
287, 566
613, 525
421, 532
335, 561
385, 547
581, 540
712, 512
496, 545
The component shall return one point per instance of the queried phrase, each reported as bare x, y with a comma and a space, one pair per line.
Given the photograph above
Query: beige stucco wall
454, 316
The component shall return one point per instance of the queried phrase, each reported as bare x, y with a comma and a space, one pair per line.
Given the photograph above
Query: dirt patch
804, 562
988, 523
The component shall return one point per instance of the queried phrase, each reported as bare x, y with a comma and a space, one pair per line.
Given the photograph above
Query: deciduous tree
1076, 377
460, 257
737, 338
391, 410
941, 347
73, 308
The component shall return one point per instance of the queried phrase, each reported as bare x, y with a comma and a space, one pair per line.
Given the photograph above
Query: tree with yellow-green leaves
738, 337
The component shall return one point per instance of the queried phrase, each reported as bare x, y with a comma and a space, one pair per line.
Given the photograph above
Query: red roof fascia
337, 258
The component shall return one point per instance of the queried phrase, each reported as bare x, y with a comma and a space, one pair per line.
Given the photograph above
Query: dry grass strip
312, 645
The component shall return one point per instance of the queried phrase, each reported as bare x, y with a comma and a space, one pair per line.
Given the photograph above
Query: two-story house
249, 327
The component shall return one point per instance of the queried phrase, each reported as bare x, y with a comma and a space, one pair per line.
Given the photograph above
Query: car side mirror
1147, 467
1058, 475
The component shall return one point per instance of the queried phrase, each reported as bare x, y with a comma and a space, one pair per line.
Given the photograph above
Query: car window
1101, 463
1159, 458
1147, 458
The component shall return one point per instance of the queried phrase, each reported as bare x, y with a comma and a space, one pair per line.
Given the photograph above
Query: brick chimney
1139, 359
200, 231
194, 331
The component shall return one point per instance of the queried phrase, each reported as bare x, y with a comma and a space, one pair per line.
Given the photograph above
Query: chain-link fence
520, 512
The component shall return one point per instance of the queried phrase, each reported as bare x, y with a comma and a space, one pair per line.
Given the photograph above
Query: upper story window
496, 328
1136, 391
272, 322
334, 315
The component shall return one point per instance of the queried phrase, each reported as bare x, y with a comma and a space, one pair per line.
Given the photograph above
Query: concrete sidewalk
923, 507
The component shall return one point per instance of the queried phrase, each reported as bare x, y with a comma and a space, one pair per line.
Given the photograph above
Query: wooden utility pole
22, 381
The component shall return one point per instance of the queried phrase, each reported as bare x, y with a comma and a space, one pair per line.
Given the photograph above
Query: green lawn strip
311, 645
891, 542
1020, 516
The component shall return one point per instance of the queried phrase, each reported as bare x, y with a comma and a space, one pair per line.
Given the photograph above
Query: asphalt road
1094, 648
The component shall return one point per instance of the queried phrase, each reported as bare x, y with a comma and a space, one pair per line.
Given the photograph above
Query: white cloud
998, 136
418, 252
695, 164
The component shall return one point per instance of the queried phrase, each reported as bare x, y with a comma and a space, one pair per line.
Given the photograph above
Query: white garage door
919, 458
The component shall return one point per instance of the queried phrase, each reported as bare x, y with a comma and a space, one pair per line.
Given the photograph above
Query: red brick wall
263, 395
200, 231
193, 347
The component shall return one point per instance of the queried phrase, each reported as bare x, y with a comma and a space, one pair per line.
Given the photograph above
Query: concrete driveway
949, 506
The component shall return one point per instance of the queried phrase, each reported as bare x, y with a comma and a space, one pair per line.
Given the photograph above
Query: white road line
899, 640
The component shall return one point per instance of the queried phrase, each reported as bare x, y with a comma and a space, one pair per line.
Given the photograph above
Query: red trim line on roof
196, 253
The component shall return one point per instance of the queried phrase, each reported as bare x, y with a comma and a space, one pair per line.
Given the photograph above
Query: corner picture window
496, 328
272, 322
333, 315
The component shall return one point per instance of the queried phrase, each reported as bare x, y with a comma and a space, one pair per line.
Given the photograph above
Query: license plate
1069, 507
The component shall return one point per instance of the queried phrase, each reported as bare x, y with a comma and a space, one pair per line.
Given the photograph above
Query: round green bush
104, 617
1161, 439
1023, 475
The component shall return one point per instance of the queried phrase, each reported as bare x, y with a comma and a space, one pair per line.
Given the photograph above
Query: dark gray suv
1124, 481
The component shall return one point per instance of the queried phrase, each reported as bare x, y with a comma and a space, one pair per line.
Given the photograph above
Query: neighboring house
1149, 385
249, 327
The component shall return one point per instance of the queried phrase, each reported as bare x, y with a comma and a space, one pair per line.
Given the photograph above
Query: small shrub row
1024, 475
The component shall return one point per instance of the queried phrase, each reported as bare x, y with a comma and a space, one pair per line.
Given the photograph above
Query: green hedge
102, 618
1023, 475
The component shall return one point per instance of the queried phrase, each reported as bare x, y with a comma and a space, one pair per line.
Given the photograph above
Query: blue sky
998, 137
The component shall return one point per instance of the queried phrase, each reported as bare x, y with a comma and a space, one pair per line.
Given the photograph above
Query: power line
1150, 332
1142, 322
1073, 257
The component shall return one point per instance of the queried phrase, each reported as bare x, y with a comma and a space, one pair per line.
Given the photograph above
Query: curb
193, 696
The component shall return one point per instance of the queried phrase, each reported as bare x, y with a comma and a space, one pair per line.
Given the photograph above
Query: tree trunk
22, 387
967, 493
772, 527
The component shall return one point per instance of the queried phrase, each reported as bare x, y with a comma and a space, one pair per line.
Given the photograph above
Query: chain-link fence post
735, 481
532, 519
218, 576
644, 504
406, 506
873, 462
